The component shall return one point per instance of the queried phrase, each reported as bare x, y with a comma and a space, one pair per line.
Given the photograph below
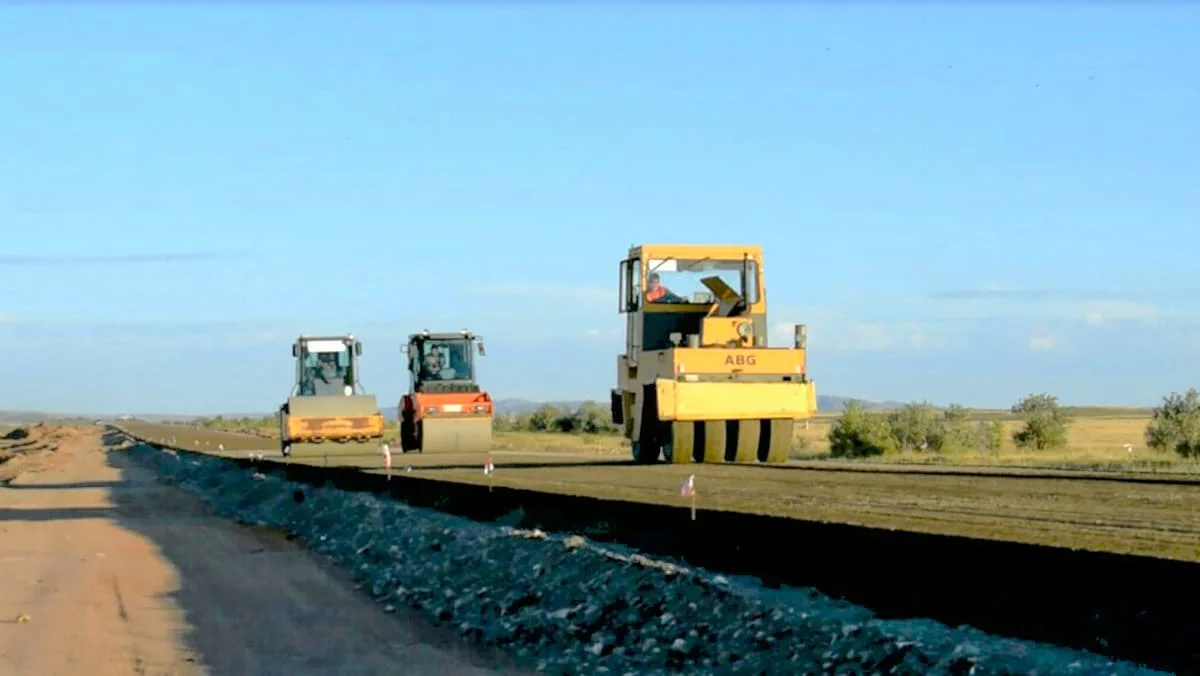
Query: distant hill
40, 416
512, 406
14, 417
835, 404
507, 406
503, 407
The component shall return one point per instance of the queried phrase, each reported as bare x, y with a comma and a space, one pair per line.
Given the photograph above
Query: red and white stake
689, 491
387, 459
489, 470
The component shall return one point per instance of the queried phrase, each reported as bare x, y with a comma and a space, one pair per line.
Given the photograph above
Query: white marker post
689, 491
489, 470
387, 459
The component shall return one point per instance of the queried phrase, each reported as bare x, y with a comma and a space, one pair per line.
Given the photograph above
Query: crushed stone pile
565, 605
16, 434
40, 434
39, 437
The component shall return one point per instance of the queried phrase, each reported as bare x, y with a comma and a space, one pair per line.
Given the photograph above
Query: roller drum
454, 435
367, 453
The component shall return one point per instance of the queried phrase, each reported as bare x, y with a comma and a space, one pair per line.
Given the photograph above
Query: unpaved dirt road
107, 572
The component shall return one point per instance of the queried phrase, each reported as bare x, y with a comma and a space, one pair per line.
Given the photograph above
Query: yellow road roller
698, 381
328, 415
445, 409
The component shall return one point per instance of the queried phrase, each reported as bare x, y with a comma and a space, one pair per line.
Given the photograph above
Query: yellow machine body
328, 418
698, 381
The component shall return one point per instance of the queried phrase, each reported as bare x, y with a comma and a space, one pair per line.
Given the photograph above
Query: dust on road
108, 572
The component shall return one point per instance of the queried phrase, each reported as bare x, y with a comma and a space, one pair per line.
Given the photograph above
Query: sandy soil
1102, 514
32, 449
108, 572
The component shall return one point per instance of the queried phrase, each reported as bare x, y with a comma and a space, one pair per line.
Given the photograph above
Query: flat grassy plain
1116, 512
1097, 441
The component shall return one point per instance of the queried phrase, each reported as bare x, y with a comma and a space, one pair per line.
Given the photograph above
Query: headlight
743, 329
479, 408
431, 409
348, 390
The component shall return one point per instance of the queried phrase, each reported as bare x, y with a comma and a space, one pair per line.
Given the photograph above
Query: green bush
859, 433
989, 435
1046, 423
1176, 424
588, 418
917, 427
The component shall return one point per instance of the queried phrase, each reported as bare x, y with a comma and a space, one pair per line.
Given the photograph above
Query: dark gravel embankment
564, 605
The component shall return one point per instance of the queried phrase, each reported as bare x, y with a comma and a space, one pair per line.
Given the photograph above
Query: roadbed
1090, 511
109, 571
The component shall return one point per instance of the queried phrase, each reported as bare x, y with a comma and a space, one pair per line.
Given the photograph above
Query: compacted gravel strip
1145, 519
564, 605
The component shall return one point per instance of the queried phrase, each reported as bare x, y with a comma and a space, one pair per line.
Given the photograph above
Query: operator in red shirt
657, 293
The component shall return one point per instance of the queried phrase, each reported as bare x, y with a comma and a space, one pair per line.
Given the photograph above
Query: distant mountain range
824, 403
503, 407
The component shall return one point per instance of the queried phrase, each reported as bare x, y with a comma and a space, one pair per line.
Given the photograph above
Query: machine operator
657, 293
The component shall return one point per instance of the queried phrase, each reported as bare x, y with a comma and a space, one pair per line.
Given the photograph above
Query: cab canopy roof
692, 251
427, 335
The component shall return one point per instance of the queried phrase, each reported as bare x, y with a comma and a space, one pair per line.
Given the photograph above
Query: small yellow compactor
698, 381
328, 416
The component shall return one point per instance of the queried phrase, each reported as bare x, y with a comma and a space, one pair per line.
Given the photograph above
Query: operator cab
667, 291
326, 366
443, 362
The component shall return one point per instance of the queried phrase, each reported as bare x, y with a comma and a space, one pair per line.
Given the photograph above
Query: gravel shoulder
109, 571
1148, 519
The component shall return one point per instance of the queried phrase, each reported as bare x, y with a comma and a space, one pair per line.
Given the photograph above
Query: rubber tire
647, 450
408, 435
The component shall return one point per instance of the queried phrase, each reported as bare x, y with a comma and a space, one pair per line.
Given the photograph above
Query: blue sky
965, 203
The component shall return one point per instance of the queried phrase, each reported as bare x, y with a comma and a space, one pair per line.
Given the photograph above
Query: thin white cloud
1043, 343
865, 337
1094, 308
119, 259
844, 335
1099, 313
587, 294
918, 341
121, 337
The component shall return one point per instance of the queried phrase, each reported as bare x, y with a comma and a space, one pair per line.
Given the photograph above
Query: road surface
108, 572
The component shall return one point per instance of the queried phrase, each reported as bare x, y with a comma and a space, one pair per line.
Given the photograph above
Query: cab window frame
750, 281
630, 285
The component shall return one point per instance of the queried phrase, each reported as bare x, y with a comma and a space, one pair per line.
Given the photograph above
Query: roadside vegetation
1035, 431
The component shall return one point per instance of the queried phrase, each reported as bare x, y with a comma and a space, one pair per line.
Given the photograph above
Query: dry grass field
1097, 441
